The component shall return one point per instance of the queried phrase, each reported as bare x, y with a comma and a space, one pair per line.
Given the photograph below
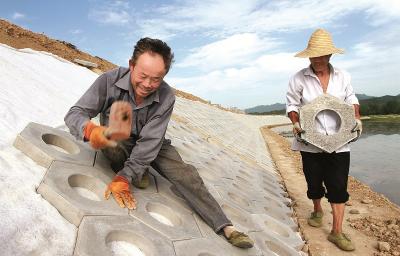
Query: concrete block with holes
77, 191
45, 144
113, 235
166, 217
227, 152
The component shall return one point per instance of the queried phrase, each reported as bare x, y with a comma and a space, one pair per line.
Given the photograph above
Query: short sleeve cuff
291, 108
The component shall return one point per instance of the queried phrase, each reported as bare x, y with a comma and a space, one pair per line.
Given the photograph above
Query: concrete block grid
163, 223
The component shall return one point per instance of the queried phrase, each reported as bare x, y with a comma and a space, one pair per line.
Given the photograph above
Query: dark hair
153, 46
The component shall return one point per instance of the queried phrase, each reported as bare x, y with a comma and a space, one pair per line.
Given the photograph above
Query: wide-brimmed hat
320, 44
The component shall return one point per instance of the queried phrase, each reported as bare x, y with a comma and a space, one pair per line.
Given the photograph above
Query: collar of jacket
309, 72
125, 84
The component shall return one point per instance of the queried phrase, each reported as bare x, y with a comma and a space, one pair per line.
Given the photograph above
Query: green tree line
380, 105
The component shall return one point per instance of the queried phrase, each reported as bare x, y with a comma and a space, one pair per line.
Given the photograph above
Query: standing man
323, 169
152, 100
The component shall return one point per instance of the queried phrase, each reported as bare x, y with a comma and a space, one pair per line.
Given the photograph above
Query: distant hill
370, 105
265, 108
364, 96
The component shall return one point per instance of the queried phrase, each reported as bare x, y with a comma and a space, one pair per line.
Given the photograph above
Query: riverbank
373, 219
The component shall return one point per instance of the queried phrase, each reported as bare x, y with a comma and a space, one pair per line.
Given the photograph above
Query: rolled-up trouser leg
190, 185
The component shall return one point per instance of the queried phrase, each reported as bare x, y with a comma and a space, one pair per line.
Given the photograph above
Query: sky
234, 53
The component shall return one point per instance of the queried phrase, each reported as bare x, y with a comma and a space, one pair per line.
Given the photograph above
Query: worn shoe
342, 241
144, 183
315, 219
240, 240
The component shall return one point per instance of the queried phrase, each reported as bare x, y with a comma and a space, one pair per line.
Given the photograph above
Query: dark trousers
331, 170
184, 177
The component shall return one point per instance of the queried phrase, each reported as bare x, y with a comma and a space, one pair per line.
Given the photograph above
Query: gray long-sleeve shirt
149, 122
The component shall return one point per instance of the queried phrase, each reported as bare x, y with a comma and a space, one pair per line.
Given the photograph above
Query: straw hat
320, 44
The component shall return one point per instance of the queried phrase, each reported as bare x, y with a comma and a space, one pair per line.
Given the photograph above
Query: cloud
235, 50
76, 31
112, 13
18, 16
382, 12
263, 72
224, 17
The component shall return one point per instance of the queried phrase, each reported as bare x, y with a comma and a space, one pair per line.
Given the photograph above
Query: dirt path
378, 218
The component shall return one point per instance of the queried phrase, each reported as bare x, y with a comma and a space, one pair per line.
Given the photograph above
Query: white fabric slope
39, 87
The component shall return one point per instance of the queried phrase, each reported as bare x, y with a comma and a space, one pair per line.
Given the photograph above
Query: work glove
297, 131
98, 136
357, 128
119, 187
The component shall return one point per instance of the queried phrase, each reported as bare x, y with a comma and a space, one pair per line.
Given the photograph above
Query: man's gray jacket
149, 122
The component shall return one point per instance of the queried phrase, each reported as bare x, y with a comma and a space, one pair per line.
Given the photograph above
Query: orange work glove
119, 187
97, 136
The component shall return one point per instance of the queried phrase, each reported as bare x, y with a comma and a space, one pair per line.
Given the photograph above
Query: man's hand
357, 128
119, 187
297, 131
98, 136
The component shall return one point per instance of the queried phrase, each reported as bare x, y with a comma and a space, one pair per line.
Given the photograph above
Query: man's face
147, 74
320, 64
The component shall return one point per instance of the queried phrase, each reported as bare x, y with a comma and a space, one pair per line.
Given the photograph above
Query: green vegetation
383, 118
380, 105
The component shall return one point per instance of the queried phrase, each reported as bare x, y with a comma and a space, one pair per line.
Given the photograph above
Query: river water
375, 157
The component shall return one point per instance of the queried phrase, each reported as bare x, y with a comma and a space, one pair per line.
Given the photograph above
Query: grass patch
383, 118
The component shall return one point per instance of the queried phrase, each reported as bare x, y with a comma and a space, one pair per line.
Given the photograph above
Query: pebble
305, 248
396, 253
354, 211
383, 246
366, 201
348, 203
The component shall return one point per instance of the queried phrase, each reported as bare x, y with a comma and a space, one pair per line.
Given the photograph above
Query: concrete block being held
77, 191
331, 142
119, 235
45, 144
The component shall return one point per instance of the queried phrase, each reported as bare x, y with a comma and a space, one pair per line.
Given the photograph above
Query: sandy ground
377, 220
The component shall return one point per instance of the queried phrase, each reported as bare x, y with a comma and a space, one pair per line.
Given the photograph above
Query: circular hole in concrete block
330, 113
234, 214
271, 192
272, 202
88, 187
60, 144
186, 145
241, 179
239, 199
245, 174
129, 243
276, 228
204, 173
276, 248
275, 214
163, 214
